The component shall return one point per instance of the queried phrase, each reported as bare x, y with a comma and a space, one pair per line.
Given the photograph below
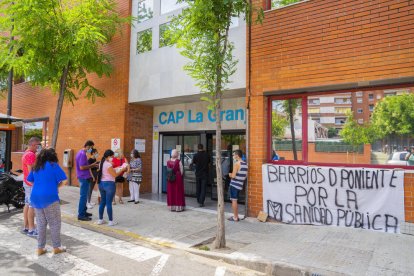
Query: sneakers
32, 233
24, 231
100, 222
89, 206
112, 223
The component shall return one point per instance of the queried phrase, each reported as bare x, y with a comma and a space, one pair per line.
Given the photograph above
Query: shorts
27, 194
234, 193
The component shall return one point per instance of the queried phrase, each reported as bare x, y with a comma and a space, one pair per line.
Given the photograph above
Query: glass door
187, 147
168, 144
229, 143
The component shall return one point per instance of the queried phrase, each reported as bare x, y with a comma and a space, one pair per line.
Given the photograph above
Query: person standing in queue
28, 161
119, 162
106, 180
238, 176
47, 176
175, 183
92, 158
201, 161
135, 176
84, 177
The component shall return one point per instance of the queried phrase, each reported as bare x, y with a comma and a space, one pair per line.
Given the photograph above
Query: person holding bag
135, 176
119, 163
175, 183
106, 180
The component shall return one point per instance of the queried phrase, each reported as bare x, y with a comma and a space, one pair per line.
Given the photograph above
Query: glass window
145, 10
144, 41
313, 101
342, 100
281, 3
171, 5
360, 121
358, 94
371, 97
342, 109
286, 129
359, 100
313, 110
359, 110
165, 39
371, 107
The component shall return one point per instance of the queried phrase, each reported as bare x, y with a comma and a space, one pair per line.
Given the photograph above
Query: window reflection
145, 10
171, 5
144, 41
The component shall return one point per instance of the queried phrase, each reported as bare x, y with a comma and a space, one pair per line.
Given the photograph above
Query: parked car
398, 158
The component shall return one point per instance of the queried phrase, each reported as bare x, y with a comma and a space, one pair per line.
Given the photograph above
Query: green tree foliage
355, 134
36, 132
201, 32
62, 44
290, 106
394, 115
144, 41
279, 124
281, 3
332, 132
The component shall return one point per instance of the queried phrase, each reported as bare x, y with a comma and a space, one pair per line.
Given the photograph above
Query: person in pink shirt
28, 160
106, 180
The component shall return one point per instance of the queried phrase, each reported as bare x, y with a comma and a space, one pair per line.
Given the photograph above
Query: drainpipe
246, 206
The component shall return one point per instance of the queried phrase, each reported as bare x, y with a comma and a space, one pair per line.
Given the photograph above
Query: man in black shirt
201, 161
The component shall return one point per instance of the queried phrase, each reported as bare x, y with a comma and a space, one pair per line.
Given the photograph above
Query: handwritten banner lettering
364, 198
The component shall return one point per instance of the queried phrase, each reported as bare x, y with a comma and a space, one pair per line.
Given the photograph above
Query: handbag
119, 179
136, 177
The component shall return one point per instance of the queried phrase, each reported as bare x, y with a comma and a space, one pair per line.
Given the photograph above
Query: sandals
41, 251
232, 219
59, 250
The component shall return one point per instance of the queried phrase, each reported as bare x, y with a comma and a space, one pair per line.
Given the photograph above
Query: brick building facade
316, 47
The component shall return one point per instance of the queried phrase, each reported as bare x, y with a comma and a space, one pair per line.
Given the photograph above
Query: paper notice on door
178, 148
235, 147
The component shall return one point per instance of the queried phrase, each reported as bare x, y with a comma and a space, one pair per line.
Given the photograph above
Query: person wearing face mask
84, 177
119, 162
135, 176
238, 176
92, 158
106, 180
28, 160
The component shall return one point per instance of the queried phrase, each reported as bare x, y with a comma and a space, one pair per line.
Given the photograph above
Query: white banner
350, 197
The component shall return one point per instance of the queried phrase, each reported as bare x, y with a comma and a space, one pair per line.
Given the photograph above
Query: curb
261, 265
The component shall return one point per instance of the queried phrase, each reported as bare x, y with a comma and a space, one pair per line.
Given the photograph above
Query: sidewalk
273, 248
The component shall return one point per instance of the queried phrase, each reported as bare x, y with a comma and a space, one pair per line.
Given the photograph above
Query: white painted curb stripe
159, 266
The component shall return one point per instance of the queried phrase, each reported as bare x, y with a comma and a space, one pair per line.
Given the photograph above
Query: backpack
171, 174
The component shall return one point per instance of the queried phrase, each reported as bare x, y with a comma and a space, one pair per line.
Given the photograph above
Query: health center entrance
187, 144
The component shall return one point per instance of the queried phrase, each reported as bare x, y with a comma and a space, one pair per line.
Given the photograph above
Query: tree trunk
62, 88
220, 241
292, 130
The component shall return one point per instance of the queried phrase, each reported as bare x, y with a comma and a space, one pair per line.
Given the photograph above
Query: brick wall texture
325, 42
109, 117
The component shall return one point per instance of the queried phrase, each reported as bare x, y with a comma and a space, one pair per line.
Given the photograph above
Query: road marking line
62, 264
220, 271
119, 247
160, 265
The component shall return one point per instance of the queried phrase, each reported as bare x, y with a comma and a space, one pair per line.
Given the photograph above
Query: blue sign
179, 116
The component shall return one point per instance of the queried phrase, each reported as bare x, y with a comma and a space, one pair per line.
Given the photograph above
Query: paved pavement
271, 248
93, 253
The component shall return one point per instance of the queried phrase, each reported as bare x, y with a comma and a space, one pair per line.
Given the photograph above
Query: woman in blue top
47, 176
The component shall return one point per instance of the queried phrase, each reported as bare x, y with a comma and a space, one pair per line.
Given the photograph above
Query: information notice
363, 198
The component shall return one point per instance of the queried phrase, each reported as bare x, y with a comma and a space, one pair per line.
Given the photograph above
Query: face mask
132, 156
38, 149
96, 156
116, 154
89, 150
110, 159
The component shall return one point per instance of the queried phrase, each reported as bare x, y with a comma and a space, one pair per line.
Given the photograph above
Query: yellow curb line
122, 232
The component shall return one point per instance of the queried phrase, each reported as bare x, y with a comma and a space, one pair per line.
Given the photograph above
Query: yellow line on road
121, 232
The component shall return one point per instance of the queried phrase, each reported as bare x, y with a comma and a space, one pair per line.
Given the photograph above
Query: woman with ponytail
106, 180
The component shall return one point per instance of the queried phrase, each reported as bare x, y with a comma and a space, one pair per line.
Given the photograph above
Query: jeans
201, 184
84, 188
107, 190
